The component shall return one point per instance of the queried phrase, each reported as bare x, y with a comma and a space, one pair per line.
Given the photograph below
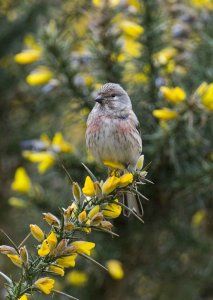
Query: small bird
113, 133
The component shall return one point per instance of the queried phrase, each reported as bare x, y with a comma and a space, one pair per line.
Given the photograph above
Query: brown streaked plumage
113, 129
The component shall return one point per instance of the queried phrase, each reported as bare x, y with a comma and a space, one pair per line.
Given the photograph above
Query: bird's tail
132, 201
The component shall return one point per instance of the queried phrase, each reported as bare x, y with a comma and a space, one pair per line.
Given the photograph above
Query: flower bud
82, 216
97, 218
24, 254
76, 191
98, 190
37, 232
51, 219
140, 162
143, 174
7, 250
94, 211
106, 225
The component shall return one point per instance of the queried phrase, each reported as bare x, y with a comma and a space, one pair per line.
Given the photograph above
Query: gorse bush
53, 59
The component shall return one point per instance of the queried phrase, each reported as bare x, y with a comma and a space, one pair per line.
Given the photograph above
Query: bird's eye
113, 95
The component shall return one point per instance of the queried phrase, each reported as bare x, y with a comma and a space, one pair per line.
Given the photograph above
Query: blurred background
54, 55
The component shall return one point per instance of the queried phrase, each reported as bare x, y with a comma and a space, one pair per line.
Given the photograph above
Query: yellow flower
44, 159
99, 3
201, 90
110, 184
165, 55
22, 182
113, 165
44, 250
83, 247
82, 216
140, 162
94, 211
39, 76
77, 278
60, 145
67, 261
89, 189
57, 270
115, 269
203, 4
131, 29
112, 210
17, 202
205, 91
37, 232
24, 297
45, 284
174, 95
15, 259
28, 56
125, 180
164, 114
132, 48
52, 240
198, 217
136, 4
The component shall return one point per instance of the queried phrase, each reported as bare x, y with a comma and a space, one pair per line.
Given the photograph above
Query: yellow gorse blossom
52, 240
113, 165
174, 95
203, 4
131, 29
44, 250
60, 145
15, 259
39, 76
131, 48
165, 114
45, 285
198, 218
165, 55
37, 232
67, 261
17, 202
125, 180
77, 278
28, 56
24, 297
89, 188
83, 247
94, 211
115, 269
48, 244
82, 216
22, 182
57, 270
113, 182
99, 3
205, 92
44, 159
112, 210
110, 184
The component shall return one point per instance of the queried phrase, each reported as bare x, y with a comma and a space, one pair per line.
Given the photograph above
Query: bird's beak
99, 99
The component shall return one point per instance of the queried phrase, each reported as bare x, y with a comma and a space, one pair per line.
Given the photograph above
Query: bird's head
112, 96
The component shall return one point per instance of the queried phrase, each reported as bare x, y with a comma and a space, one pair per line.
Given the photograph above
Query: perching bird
113, 132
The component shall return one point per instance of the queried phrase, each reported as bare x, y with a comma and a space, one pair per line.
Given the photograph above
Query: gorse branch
93, 207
